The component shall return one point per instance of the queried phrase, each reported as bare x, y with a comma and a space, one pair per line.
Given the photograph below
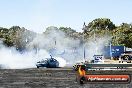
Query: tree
101, 24
69, 32
122, 35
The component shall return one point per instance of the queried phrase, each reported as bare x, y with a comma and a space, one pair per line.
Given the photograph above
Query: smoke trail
55, 42
12, 59
58, 44
95, 47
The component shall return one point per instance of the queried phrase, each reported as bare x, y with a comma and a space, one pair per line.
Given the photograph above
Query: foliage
101, 24
16, 36
122, 35
101, 27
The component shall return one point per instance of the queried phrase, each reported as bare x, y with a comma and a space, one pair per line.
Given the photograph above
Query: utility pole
55, 41
110, 51
94, 36
84, 52
109, 42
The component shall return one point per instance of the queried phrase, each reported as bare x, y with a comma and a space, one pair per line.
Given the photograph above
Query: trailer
113, 51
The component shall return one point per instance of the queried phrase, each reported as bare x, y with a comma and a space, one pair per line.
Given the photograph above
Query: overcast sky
37, 15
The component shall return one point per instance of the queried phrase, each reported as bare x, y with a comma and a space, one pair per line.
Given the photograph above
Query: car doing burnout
48, 63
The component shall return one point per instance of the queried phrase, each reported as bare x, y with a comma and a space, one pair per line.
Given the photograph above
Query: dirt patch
51, 78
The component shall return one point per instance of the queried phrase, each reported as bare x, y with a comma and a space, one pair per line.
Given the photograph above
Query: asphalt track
52, 78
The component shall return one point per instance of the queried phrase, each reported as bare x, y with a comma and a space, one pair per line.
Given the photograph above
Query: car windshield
42, 61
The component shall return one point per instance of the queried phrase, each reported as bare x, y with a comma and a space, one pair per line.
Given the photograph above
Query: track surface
51, 78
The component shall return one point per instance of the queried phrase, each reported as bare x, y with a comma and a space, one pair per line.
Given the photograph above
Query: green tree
122, 35
101, 24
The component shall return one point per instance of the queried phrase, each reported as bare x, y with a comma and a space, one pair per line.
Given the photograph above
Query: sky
37, 15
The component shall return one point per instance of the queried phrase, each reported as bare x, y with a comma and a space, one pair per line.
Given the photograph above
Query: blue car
48, 63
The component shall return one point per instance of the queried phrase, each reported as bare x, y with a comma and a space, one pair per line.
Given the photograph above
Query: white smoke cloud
58, 44
12, 59
66, 50
95, 46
